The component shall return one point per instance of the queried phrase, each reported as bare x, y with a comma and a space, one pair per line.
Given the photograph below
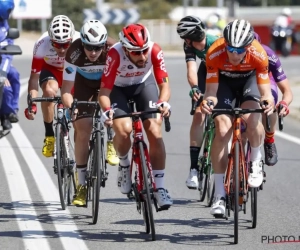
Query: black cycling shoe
13, 118
5, 123
270, 153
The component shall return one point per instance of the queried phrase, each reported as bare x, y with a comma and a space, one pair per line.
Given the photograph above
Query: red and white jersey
45, 56
120, 71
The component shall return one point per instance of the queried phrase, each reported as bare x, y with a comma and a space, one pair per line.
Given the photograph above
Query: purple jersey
274, 65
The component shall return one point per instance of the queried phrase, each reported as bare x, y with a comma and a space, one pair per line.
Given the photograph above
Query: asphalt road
31, 218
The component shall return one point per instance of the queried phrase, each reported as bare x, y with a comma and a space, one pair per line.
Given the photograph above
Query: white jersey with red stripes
44, 55
120, 71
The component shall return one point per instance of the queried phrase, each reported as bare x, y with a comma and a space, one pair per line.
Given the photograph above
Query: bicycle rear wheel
253, 206
146, 191
210, 185
61, 165
96, 177
236, 164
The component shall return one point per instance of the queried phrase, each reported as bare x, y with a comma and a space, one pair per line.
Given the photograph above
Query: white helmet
61, 29
93, 32
286, 11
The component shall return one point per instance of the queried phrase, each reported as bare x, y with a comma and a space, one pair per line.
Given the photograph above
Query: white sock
81, 175
219, 185
255, 154
159, 178
124, 161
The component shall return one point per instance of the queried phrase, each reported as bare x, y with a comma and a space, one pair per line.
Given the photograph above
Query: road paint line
287, 137
26, 217
65, 228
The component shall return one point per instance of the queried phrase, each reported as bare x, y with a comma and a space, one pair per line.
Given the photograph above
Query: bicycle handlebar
194, 104
280, 118
31, 100
139, 114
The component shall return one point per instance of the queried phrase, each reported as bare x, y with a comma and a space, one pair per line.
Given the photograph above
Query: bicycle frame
138, 137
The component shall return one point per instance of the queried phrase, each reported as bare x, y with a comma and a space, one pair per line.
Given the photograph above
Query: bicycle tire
210, 186
96, 177
202, 179
59, 165
146, 186
236, 164
253, 207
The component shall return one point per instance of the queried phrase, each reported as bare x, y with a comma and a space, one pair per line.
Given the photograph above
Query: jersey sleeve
190, 55
212, 75
69, 71
262, 65
275, 66
159, 67
38, 56
111, 69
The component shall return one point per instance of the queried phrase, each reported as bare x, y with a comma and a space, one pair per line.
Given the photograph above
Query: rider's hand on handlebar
195, 93
31, 115
285, 108
268, 106
107, 116
164, 107
207, 106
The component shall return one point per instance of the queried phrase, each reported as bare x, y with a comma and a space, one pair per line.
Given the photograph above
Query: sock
269, 137
49, 129
81, 169
255, 154
159, 178
194, 154
124, 161
219, 185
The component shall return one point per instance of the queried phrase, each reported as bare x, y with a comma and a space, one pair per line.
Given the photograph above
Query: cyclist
196, 44
9, 76
128, 75
83, 67
277, 78
47, 70
236, 62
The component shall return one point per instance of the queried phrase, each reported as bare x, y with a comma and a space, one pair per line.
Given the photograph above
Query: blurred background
160, 16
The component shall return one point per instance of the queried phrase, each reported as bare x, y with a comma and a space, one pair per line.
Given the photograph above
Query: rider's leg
14, 78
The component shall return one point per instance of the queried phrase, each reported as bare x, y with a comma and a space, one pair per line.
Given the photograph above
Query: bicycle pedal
166, 207
219, 216
193, 188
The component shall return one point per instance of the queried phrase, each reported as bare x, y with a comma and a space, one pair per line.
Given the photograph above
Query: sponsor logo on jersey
107, 65
69, 70
263, 76
138, 73
130, 67
74, 56
211, 75
37, 46
235, 75
273, 58
217, 53
160, 57
256, 53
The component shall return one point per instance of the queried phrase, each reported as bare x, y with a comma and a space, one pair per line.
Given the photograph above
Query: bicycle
96, 173
143, 186
63, 161
236, 174
205, 174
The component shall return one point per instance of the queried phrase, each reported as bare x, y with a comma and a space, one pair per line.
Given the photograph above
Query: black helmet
238, 34
191, 27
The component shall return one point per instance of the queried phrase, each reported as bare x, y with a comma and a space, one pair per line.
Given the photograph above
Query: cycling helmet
61, 29
135, 37
93, 32
191, 27
238, 34
6, 7
257, 37
286, 12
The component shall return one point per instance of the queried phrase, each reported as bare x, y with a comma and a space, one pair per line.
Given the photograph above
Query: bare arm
66, 95
211, 92
286, 91
103, 98
33, 85
164, 91
192, 73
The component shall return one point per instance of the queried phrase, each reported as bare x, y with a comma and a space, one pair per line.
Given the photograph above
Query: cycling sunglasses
236, 50
61, 45
95, 48
138, 52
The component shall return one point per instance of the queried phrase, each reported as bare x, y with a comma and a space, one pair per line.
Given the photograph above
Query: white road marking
26, 217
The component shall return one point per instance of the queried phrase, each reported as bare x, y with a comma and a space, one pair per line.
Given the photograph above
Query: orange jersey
217, 63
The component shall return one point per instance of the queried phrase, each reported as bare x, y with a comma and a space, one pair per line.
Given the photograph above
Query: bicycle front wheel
253, 206
236, 183
96, 177
146, 191
60, 162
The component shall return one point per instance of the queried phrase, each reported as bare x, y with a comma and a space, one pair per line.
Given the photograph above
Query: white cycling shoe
192, 180
255, 177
